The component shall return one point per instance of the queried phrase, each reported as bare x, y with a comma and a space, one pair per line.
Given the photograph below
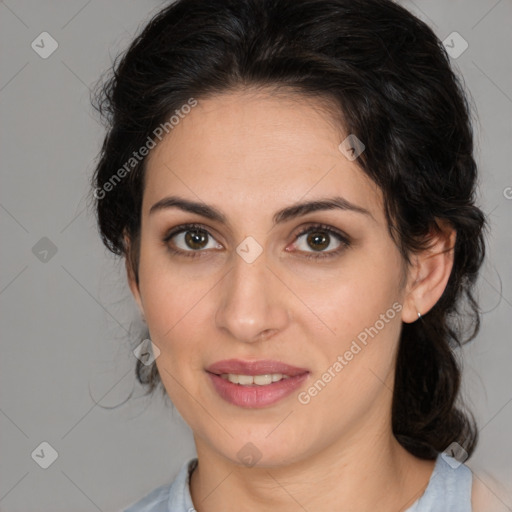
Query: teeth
249, 380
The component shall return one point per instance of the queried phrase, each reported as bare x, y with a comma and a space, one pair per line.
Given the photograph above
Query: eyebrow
291, 212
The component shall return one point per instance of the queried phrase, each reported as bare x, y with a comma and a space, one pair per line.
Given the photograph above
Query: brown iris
196, 238
317, 240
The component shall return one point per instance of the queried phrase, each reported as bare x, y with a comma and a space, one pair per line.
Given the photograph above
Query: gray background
67, 319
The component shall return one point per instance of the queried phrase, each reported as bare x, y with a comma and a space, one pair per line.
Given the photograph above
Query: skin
249, 154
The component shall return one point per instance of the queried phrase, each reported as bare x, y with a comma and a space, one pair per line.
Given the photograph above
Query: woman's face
249, 287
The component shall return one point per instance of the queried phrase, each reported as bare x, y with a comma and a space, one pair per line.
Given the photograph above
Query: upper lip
239, 367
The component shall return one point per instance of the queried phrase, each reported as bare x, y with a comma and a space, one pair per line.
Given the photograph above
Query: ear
429, 273
132, 281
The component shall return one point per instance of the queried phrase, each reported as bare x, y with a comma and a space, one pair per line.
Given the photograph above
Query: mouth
258, 380
255, 384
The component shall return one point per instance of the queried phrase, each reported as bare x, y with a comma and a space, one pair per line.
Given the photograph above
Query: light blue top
448, 490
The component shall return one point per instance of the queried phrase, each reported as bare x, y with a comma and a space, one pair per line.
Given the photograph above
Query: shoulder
155, 501
489, 494
173, 496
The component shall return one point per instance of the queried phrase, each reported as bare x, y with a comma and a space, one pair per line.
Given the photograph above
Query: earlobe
429, 274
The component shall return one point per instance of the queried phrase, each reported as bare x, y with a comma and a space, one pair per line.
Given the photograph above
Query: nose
252, 306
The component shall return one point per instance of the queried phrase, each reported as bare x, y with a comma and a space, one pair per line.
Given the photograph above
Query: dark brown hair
389, 78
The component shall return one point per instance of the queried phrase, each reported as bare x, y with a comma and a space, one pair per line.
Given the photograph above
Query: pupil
321, 241
195, 239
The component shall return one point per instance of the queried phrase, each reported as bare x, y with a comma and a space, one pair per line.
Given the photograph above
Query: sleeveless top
448, 490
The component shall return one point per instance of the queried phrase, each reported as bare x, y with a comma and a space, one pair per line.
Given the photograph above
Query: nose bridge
251, 305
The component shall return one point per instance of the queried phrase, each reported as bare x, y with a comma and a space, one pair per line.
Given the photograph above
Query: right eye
189, 240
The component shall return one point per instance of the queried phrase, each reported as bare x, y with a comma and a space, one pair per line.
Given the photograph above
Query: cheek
173, 308
363, 308
176, 305
343, 301
168, 295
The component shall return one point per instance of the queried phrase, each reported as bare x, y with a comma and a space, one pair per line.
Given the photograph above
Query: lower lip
255, 396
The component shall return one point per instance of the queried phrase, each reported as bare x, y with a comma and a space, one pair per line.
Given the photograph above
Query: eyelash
312, 228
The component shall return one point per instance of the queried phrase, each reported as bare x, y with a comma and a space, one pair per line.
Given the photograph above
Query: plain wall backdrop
68, 321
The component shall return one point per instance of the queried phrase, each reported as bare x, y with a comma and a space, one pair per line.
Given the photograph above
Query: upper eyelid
322, 227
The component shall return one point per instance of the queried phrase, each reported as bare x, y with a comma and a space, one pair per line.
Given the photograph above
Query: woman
291, 184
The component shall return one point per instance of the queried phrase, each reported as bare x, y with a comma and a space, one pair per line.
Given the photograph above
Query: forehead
255, 149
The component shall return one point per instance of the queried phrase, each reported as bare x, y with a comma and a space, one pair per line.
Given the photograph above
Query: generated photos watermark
305, 397
143, 151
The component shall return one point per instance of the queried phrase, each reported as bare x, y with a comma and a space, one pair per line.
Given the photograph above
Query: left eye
319, 238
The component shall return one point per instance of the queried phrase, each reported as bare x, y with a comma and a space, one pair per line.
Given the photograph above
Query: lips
237, 366
257, 395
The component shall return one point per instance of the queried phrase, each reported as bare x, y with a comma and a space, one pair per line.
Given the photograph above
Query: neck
374, 473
